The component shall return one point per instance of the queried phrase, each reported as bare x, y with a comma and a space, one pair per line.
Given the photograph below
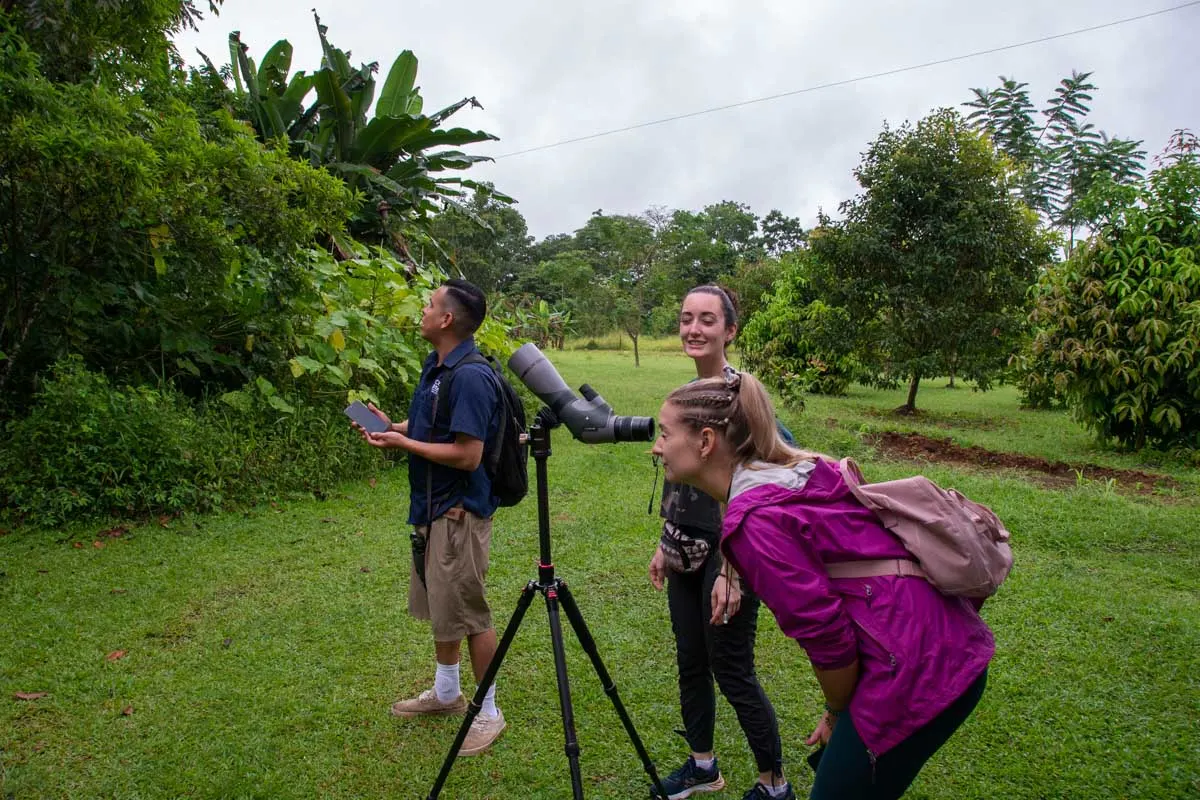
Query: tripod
556, 593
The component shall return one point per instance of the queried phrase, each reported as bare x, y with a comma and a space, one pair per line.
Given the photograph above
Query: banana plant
397, 160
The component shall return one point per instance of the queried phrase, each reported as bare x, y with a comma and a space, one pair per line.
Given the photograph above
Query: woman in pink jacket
901, 665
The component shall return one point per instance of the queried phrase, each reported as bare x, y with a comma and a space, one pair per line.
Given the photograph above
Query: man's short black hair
469, 305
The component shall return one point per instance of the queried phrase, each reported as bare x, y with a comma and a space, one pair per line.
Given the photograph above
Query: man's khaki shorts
456, 562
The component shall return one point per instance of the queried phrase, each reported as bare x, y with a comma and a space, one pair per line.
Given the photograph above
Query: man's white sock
489, 703
445, 683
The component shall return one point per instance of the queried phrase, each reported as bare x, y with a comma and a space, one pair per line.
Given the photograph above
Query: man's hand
398, 427
658, 569
388, 440
391, 427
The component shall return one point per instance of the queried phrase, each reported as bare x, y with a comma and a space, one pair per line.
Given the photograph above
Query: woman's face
702, 327
678, 446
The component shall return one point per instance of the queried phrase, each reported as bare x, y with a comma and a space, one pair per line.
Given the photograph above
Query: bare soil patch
916, 447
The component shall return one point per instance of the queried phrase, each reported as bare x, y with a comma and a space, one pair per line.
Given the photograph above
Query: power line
848, 81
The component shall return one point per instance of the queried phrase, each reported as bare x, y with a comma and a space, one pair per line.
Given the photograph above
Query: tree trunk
911, 404
952, 371
637, 361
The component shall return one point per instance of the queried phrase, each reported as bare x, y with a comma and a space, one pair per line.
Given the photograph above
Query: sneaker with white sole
691, 779
760, 792
427, 703
484, 730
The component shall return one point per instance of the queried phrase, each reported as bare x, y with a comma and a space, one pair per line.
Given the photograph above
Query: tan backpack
960, 546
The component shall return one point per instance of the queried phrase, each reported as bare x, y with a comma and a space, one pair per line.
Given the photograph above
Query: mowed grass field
254, 654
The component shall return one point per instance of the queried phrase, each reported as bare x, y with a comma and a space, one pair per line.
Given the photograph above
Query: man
451, 504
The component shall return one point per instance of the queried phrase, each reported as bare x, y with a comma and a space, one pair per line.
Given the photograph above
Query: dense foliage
1118, 323
197, 281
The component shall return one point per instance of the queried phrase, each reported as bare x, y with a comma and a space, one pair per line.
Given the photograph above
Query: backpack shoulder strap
851, 473
477, 357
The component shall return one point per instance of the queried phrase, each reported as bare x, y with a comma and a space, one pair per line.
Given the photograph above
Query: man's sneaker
427, 703
483, 731
759, 792
689, 780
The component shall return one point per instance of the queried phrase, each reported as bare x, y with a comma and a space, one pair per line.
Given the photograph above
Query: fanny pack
681, 552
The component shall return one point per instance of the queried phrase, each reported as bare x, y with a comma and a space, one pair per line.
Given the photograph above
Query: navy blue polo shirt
474, 404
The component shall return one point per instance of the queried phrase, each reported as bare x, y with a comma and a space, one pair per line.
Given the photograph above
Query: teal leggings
845, 771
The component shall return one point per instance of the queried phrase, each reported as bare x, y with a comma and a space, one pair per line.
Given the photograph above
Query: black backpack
506, 458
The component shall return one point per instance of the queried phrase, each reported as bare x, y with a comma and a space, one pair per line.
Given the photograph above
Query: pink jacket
918, 650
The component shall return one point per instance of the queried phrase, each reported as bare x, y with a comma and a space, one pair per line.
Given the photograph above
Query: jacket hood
758, 484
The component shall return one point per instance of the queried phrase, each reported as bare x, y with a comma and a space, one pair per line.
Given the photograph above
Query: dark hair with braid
740, 410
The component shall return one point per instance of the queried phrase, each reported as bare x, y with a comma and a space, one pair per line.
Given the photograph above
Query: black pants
845, 771
724, 652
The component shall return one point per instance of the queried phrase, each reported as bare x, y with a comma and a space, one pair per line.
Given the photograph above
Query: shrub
1119, 321
796, 343
89, 448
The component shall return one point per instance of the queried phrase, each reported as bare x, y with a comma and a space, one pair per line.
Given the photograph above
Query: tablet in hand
365, 417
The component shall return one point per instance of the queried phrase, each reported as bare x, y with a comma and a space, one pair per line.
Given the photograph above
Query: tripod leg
481, 691
610, 688
564, 690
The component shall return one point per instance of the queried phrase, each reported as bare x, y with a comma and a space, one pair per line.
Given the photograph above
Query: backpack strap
873, 567
476, 357
876, 568
851, 474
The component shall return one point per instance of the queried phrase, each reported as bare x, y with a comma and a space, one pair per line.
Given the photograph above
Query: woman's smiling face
702, 327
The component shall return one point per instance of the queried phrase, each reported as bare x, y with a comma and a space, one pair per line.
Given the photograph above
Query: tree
1063, 157
121, 43
396, 160
932, 260
781, 234
624, 253
485, 239
134, 236
1118, 322
704, 245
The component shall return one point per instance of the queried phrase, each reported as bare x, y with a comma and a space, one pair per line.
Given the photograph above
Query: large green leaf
335, 59
386, 185
299, 87
362, 92
501, 196
396, 97
377, 142
452, 159
452, 137
439, 117
236, 50
334, 98
276, 65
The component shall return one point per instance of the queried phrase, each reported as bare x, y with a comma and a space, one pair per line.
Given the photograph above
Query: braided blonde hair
739, 408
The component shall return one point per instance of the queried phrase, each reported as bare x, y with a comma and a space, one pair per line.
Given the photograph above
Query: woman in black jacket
713, 617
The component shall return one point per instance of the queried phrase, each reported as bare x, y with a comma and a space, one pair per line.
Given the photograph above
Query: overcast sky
549, 71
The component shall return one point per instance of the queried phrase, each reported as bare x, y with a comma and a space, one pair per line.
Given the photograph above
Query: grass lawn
254, 655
